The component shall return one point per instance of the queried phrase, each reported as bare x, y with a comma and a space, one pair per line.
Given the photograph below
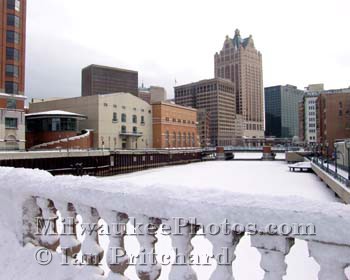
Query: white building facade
310, 119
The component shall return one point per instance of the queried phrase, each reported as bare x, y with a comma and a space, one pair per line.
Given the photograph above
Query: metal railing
331, 172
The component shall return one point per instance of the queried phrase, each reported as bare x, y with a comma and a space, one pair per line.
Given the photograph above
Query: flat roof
174, 105
109, 67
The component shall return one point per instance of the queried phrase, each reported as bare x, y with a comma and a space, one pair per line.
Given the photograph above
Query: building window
142, 119
12, 54
184, 139
174, 139
167, 138
123, 117
193, 140
11, 87
11, 104
11, 70
12, 37
105, 104
179, 139
134, 129
123, 129
14, 5
11, 123
13, 20
134, 118
115, 117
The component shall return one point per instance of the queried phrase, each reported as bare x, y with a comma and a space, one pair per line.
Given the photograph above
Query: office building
218, 98
97, 79
282, 111
240, 62
12, 74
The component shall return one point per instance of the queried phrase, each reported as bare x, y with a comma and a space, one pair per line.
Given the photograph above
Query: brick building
12, 74
333, 118
203, 119
97, 79
240, 62
218, 98
174, 126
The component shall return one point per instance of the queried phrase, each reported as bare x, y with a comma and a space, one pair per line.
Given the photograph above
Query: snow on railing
68, 139
41, 195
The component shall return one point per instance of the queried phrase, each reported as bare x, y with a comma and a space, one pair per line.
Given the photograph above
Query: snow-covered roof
56, 113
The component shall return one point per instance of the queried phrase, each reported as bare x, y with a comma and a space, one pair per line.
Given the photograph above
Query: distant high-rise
217, 97
12, 72
240, 62
282, 105
97, 79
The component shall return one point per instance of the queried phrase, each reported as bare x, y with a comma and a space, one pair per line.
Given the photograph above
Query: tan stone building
174, 126
240, 62
218, 98
119, 120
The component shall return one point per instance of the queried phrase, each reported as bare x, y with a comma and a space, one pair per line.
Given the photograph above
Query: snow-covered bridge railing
40, 195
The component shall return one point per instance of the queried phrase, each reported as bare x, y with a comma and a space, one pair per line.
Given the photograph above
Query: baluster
147, 267
48, 230
181, 235
224, 246
30, 214
117, 259
332, 258
70, 245
91, 249
273, 250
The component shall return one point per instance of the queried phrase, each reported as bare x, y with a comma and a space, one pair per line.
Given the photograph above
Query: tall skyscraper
12, 72
240, 62
97, 79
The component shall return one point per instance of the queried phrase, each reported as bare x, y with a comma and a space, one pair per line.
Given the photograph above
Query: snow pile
211, 192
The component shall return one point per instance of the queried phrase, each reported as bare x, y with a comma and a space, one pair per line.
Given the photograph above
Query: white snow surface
244, 191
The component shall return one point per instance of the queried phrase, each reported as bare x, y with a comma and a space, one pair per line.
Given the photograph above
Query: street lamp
347, 145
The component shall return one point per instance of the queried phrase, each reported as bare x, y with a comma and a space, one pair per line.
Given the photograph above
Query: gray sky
302, 42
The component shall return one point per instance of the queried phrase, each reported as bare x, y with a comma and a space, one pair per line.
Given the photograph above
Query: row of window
124, 118
167, 119
134, 129
12, 70
124, 107
12, 54
179, 139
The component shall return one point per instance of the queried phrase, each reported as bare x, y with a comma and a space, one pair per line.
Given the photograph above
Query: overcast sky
301, 41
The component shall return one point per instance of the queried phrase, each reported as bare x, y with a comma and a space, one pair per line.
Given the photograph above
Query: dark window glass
12, 37
10, 123
12, 20
134, 129
123, 117
142, 119
123, 129
11, 87
11, 104
11, 70
14, 5
115, 118
134, 118
12, 54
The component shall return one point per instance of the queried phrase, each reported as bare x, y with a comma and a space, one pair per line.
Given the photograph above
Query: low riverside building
56, 129
119, 120
174, 126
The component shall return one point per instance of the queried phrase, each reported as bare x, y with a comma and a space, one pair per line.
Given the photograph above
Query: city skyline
164, 43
